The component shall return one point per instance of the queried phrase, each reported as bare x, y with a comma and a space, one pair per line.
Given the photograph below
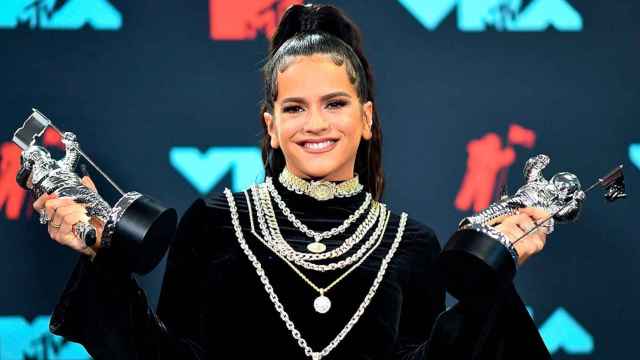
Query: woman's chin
317, 168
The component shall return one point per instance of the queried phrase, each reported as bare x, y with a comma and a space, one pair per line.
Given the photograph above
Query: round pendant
321, 190
322, 304
316, 247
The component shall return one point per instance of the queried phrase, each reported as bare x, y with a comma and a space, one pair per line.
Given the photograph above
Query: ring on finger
44, 218
55, 226
549, 226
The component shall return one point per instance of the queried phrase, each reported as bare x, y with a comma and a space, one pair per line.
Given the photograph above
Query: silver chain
352, 240
318, 289
279, 244
278, 305
302, 227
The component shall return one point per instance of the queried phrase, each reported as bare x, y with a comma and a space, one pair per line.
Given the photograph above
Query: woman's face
318, 119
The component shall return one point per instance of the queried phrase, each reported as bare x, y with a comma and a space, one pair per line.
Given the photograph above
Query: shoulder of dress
416, 233
201, 224
218, 201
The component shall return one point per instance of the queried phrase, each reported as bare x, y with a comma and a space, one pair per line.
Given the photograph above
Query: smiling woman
307, 264
319, 89
318, 119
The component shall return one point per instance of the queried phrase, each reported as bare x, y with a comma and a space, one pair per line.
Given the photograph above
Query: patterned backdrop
164, 95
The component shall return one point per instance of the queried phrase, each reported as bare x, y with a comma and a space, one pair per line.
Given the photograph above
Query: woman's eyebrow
334, 94
323, 97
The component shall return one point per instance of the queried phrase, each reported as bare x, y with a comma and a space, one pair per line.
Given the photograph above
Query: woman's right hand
65, 213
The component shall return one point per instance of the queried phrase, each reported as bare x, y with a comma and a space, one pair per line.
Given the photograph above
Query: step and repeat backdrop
164, 96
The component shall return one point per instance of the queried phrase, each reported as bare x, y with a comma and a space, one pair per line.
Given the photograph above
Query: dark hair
323, 29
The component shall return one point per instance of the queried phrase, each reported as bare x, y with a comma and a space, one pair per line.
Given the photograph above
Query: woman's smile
318, 146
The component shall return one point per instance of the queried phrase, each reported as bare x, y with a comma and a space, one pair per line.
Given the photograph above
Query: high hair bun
311, 18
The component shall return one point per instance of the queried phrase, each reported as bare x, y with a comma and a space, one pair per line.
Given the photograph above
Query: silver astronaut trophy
137, 230
477, 258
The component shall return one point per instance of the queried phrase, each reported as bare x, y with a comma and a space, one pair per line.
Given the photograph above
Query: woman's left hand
517, 225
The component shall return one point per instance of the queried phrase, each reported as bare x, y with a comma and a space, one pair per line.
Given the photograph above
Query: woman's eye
292, 109
336, 104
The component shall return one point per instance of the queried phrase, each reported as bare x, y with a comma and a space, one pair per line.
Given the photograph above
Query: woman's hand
517, 225
64, 213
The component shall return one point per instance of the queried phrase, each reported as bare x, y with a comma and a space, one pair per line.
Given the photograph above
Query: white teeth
317, 146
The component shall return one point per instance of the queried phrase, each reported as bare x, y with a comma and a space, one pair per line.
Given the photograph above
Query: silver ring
548, 227
43, 217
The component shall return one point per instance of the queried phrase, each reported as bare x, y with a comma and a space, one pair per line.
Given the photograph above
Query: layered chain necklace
271, 232
269, 288
316, 246
322, 303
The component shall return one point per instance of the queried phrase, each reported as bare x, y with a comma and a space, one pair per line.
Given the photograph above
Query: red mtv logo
487, 163
12, 196
242, 19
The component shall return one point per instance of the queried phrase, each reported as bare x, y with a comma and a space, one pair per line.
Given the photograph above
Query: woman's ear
268, 119
367, 120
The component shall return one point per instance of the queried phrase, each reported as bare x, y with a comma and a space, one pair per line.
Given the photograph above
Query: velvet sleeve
423, 298
496, 327
104, 309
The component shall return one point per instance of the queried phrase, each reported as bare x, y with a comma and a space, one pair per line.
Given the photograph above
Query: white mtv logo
61, 15
503, 15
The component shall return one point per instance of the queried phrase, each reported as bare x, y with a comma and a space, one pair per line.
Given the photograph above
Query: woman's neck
332, 177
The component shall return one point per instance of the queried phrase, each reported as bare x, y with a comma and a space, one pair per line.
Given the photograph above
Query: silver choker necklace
320, 189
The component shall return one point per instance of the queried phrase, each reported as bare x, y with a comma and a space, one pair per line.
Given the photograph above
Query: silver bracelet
496, 235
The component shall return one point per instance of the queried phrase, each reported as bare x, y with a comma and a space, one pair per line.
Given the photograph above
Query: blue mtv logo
502, 15
561, 332
634, 154
205, 169
20, 340
59, 14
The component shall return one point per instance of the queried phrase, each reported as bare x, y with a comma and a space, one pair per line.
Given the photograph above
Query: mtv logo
243, 19
205, 170
501, 15
59, 14
20, 340
561, 331
634, 154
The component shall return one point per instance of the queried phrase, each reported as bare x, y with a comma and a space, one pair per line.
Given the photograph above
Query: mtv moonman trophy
137, 228
478, 258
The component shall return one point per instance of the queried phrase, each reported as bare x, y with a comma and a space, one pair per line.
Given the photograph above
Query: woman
309, 263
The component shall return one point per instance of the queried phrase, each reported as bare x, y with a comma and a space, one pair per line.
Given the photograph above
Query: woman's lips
319, 147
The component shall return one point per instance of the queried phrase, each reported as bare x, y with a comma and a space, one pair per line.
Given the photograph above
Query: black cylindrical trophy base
143, 234
475, 265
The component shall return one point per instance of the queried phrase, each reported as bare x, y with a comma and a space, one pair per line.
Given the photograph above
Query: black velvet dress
213, 306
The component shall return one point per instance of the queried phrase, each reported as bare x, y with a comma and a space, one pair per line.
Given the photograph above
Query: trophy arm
534, 166
72, 152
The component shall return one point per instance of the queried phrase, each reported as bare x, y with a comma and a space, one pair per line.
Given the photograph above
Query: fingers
46, 199
86, 181
512, 231
67, 217
536, 213
525, 223
69, 221
532, 244
514, 227
39, 203
54, 205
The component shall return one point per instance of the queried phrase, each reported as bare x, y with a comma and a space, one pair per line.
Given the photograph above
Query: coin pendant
316, 247
322, 304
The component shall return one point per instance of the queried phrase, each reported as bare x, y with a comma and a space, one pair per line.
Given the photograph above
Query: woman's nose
316, 122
